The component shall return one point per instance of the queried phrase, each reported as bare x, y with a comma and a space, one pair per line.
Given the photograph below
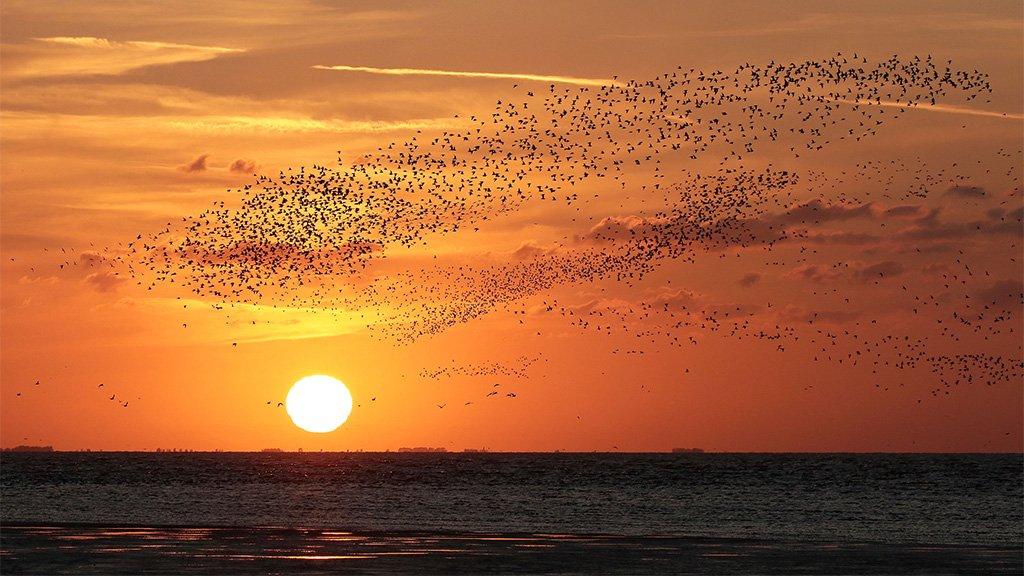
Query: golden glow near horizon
319, 403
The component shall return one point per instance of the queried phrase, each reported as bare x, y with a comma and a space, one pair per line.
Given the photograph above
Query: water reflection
185, 551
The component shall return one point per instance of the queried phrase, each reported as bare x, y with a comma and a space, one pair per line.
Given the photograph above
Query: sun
318, 403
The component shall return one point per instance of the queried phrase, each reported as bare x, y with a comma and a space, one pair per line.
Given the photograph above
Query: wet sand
81, 549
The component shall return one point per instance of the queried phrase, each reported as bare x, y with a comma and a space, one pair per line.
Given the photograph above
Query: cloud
677, 298
92, 126
840, 238
493, 75
816, 212
795, 314
800, 224
996, 213
959, 230
254, 254
93, 42
975, 192
943, 108
235, 324
530, 250
197, 165
661, 299
88, 55
615, 228
92, 259
287, 124
814, 273
855, 270
104, 281
930, 227
749, 279
881, 270
243, 166
905, 211
1004, 293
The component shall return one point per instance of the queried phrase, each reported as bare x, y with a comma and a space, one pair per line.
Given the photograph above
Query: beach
80, 549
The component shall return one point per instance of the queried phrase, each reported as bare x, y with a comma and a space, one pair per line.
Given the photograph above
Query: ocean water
911, 499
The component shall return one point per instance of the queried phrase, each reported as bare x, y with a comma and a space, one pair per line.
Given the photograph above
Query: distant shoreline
80, 549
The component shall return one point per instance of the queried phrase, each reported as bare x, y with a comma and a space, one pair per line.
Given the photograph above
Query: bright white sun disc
318, 403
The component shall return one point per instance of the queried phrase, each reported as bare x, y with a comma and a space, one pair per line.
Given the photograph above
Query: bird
679, 144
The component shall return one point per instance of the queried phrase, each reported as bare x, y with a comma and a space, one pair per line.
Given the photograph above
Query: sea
561, 513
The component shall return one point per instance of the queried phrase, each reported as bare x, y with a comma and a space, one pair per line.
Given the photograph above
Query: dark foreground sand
55, 550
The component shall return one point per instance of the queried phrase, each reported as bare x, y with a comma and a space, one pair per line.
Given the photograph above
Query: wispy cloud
30, 124
279, 124
81, 55
944, 108
93, 42
216, 323
463, 74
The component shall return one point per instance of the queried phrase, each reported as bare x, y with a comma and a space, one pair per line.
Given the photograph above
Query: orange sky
119, 118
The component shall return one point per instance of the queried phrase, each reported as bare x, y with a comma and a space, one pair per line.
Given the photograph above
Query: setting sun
318, 403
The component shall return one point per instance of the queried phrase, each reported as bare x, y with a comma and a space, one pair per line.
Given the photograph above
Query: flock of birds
682, 160
517, 371
119, 401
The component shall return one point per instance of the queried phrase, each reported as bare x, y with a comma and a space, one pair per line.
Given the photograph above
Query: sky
116, 119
